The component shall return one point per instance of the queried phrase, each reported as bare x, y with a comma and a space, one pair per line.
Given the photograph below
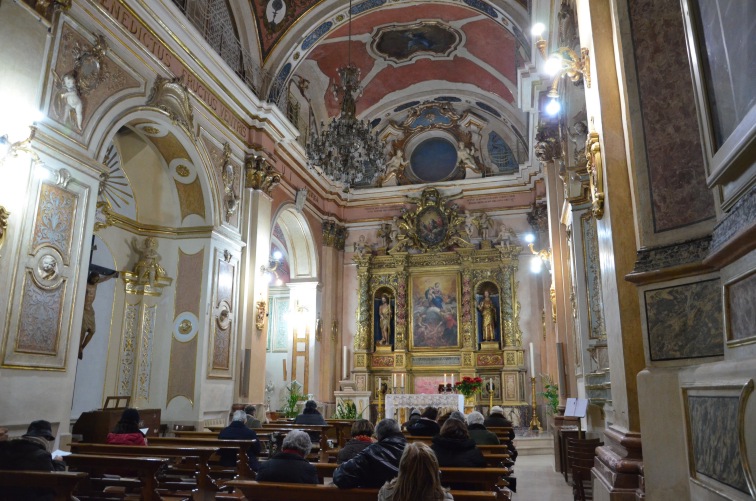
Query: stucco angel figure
361, 246
394, 167
466, 155
148, 268
384, 233
469, 224
230, 198
484, 224
68, 100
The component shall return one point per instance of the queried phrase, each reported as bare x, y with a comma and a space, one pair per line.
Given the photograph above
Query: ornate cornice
547, 147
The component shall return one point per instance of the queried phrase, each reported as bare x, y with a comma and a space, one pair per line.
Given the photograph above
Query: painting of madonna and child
435, 311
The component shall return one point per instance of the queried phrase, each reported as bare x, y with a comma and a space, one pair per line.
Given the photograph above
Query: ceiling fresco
462, 54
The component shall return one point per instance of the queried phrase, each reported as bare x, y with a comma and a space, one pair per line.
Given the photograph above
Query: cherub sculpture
68, 100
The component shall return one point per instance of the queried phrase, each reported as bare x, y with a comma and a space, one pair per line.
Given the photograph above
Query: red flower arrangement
469, 386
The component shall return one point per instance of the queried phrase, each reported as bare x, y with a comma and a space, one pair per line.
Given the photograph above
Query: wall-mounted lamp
561, 62
269, 271
7, 148
541, 259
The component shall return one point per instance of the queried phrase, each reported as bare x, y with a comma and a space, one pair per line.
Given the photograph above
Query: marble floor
537, 480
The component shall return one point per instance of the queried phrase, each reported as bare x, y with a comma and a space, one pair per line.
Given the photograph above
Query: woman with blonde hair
419, 477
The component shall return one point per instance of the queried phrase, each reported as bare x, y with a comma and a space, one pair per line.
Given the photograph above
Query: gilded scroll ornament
3, 224
596, 173
259, 174
260, 314
334, 235
228, 176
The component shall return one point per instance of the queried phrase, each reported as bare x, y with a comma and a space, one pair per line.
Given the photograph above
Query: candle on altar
344, 365
394, 381
380, 385
402, 380
490, 384
532, 361
452, 379
444, 379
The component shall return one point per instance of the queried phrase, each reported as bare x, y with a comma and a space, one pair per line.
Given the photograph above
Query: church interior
207, 203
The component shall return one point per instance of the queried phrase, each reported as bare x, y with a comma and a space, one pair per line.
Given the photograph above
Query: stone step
542, 443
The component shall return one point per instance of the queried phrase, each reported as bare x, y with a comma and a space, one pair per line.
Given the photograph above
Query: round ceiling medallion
434, 159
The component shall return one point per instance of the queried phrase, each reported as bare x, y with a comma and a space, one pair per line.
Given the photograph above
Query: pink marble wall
678, 191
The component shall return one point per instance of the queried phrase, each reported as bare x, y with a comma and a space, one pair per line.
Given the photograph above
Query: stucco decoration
84, 77
223, 321
128, 350
171, 96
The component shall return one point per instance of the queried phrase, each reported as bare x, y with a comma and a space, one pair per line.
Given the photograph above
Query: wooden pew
488, 478
206, 486
320, 429
343, 430
146, 469
242, 465
270, 491
62, 483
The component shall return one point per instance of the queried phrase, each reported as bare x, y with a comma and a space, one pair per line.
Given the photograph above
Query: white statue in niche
466, 160
68, 101
394, 168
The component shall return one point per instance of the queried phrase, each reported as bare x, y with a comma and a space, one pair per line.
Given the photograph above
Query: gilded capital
334, 235
259, 174
547, 147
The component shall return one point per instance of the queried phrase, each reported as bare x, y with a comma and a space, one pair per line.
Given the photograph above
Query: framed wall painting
434, 311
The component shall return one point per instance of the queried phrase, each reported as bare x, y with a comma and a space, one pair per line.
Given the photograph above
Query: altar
434, 305
447, 401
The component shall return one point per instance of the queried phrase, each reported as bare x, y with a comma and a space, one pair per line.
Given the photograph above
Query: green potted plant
347, 411
550, 394
290, 407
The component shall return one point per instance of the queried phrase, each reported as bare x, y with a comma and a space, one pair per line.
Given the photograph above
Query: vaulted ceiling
412, 55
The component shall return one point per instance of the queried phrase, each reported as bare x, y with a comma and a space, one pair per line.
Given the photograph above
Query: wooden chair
580, 458
61, 483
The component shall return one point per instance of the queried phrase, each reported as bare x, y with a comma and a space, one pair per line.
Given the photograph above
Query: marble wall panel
713, 425
223, 321
684, 321
596, 327
678, 192
740, 304
182, 375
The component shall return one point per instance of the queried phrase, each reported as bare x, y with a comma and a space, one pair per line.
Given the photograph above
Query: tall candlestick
402, 380
344, 365
444, 379
394, 381
452, 380
532, 361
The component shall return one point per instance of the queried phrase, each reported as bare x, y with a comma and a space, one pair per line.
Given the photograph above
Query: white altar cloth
394, 402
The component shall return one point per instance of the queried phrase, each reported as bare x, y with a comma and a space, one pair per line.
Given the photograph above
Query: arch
137, 119
303, 259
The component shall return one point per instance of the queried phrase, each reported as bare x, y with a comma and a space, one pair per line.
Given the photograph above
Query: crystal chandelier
347, 151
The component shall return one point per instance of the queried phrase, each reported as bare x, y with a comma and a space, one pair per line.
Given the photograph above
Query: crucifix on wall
97, 274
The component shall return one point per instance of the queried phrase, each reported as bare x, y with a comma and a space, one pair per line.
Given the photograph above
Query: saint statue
88, 319
488, 312
384, 314
148, 269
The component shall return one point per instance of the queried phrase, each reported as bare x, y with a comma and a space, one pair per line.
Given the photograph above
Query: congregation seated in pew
418, 477
454, 447
290, 465
362, 437
237, 430
377, 463
126, 431
30, 452
478, 431
426, 426
252, 422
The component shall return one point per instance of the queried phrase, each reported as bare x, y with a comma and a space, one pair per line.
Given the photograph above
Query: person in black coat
454, 447
30, 452
362, 432
426, 426
378, 463
310, 414
238, 430
290, 465
497, 420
